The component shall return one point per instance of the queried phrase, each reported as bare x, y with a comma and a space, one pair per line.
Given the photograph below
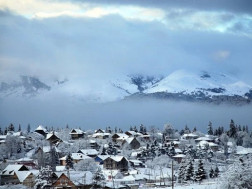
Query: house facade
116, 163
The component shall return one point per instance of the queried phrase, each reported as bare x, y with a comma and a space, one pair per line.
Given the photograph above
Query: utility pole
172, 176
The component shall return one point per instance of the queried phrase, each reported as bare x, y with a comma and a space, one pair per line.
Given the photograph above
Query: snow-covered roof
76, 131
204, 138
132, 132
121, 136
77, 156
16, 169
41, 128
92, 141
49, 135
179, 155
177, 150
89, 151
100, 134
116, 158
17, 133
103, 157
22, 175
3, 137
60, 168
136, 162
24, 159
10, 169
190, 135
243, 151
128, 178
129, 140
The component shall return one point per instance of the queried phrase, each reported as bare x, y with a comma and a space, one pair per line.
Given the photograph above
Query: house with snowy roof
119, 137
53, 138
116, 163
76, 158
133, 133
205, 138
17, 174
101, 135
189, 136
41, 130
2, 139
99, 131
132, 142
179, 157
64, 182
76, 134
89, 152
136, 163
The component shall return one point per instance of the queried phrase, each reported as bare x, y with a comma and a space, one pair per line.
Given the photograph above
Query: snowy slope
189, 85
210, 84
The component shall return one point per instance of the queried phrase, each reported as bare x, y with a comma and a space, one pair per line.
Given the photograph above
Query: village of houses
112, 158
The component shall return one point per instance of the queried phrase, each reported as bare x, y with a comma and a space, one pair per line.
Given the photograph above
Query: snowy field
193, 186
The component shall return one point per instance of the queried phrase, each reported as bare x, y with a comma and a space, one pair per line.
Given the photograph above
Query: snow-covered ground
194, 186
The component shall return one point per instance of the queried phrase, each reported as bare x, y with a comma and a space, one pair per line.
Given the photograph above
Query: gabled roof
49, 135
10, 169
204, 138
89, 152
100, 134
41, 128
21, 171
76, 131
103, 157
77, 156
116, 158
22, 175
129, 140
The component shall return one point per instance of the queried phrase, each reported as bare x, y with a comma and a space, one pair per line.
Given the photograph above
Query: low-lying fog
75, 113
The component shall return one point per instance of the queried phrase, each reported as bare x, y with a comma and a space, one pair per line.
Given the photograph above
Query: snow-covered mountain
184, 85
26, 86
179, 85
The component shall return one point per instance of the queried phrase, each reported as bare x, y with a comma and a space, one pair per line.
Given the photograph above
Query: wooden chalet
132, 142
41, 130
52, 138
17, 174
116, 163
63, 182
76, 134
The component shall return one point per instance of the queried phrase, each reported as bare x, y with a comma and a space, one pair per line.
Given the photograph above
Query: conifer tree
11, 127
181, 172
19, 127
212, 173
194, 129
28, 128
189, 172
210, 128
200, 174
216, 172
69, 161
232, 130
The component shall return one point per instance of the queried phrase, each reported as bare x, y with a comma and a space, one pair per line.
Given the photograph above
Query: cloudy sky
88, 42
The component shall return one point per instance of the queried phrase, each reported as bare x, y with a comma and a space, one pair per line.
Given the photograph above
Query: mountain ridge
180, 85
